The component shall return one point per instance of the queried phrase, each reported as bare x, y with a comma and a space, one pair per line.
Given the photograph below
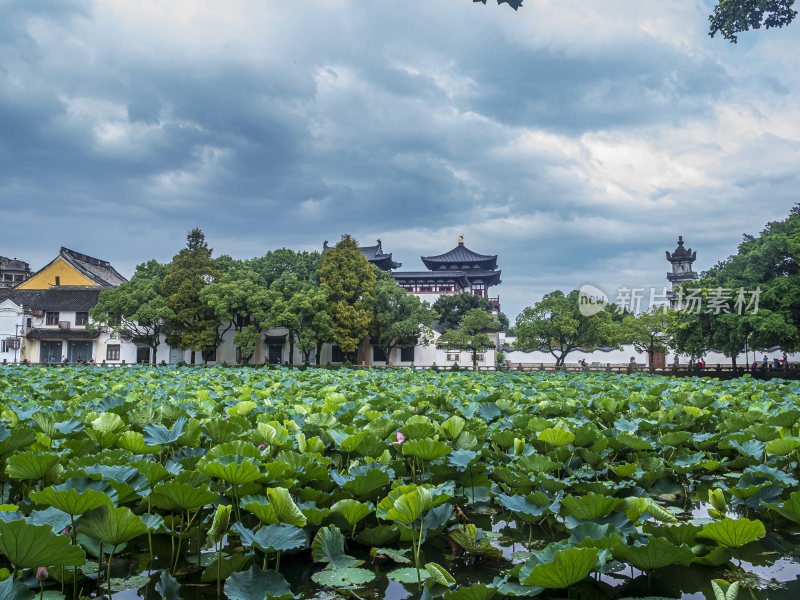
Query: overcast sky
574, 138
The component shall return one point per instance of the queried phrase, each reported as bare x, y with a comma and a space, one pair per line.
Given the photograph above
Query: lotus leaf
235, 470
658, 552
343, 578
590, 507
733, 533
30, 465
272, 538
30, 546
257, 584
438, 573
556, 437
426, 449
112, 525
476, 591
352, 510
167, 586
286, 511
178, 497
789, 509
155, 435
74, 497
225, 566
328, 546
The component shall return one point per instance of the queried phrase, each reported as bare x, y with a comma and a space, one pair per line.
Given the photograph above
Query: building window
28, 322
337, 355
51, 318
2, 346
453, 356
81, 318
407, 354
378, 355
112, 352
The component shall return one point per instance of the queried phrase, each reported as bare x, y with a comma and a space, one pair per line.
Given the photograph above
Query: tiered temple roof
376, 256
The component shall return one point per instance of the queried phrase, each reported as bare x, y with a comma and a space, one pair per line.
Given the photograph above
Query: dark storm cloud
571, 154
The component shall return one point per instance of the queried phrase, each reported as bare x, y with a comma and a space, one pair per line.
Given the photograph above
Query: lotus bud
41, 573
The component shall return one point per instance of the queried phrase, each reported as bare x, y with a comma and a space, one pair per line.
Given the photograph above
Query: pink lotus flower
66, 531
227, 416
41, 573
400, 439
261, 446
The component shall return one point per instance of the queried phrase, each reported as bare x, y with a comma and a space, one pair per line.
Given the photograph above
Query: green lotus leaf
233, 448
462, 459
133, 442
538, 463
782, 446
224, 566
520, 505
153, 471
567, 567
70, 500
556, 437
112, 525
155, 435
680, 535
439, 574
426, 449
476, 591
343, 578
30, 465
398, 556
108, 423
409, 507
378, 536
220, 523
178, 497
733, 533
30, 546
276, 537
452, 427
352, 510
328, 546
789, 509
11, 589
717, 499
261, 508
658, 552
257, 584
594, 535
286, 511
167, 586
235, 470
408, 575
418, 427
787, 418
18, 438
590, 507
473, 540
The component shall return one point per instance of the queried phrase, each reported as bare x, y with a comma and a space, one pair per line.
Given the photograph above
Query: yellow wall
46, 278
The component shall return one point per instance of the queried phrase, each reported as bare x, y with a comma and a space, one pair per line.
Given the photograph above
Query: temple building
72, 268
375, 255
681, 260
457, 270
13, 272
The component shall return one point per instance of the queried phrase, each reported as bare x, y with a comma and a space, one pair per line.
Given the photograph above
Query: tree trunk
474, 360
291, 346
650, 355
319, 353
154, 360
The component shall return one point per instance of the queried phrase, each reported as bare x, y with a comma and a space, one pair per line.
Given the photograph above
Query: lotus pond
249, 484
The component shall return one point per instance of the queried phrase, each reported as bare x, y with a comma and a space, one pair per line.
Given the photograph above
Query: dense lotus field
253, 484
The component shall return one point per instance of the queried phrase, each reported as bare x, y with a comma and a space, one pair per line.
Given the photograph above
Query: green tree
306, 317
278, 263
285, 288
451, 308
732, 16
401, 319
136, 307
648, 331
472, 335
240, 300
195, 324
350, 279
557, 325
736, 16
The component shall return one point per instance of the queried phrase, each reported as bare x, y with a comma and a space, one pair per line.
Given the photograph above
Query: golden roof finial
461, 239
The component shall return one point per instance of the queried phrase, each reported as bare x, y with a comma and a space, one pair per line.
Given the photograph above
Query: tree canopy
451, 308
472, 334
350, 279
731, 17
556, 324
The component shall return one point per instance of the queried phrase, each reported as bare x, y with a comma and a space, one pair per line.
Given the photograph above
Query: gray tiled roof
99, 271
461, 254
63, 298
375, 255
